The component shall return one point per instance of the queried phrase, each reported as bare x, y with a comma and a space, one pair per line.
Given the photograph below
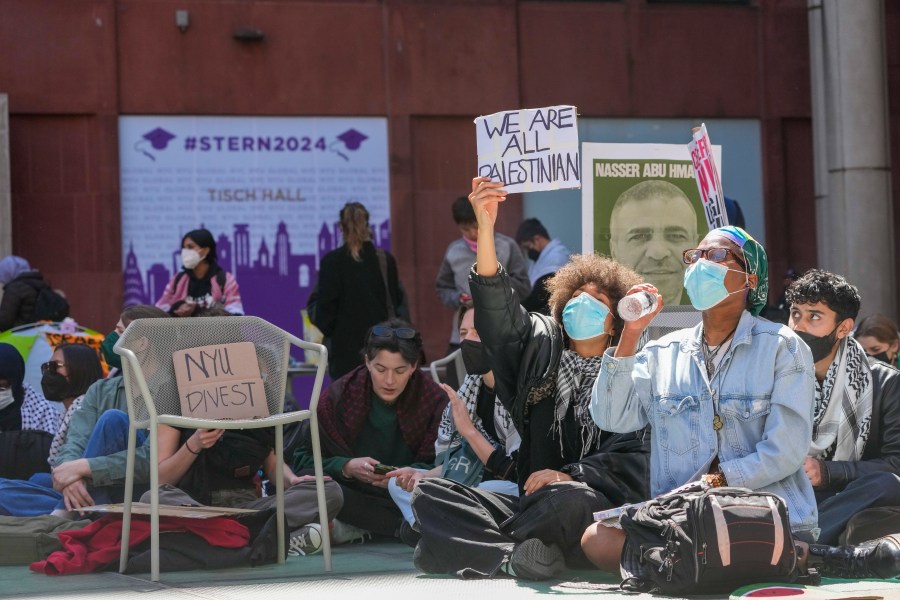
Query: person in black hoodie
544, 368
21, 286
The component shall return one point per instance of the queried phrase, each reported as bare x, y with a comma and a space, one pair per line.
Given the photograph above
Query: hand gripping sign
530, 150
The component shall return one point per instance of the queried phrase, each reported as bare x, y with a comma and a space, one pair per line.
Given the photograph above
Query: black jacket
882, 451
524, 352
350, 299
19, 298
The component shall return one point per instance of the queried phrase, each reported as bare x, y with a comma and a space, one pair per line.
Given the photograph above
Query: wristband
187, 445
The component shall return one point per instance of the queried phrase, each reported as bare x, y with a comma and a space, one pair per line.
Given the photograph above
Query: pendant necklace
709, 357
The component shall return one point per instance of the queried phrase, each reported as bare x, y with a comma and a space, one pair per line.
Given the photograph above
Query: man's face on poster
649, 235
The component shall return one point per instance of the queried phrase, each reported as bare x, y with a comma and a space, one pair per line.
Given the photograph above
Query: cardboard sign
220, 382
530, 150
708, 181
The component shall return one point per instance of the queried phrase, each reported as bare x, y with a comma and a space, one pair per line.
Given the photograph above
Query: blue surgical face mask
704, 282
584, 317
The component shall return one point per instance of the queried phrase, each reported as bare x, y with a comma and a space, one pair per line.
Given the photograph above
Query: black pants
470, 533
369, 507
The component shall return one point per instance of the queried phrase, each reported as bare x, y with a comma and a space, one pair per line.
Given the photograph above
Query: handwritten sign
708, 181
530, 150
220, 382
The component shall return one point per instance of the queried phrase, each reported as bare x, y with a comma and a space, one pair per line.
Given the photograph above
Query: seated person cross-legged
543, 369
731, 397
476, 443
71, 370
385, 412
217, 467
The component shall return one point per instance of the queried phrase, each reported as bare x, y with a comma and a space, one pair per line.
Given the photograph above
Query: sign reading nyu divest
270, 190
530, 150
221, 381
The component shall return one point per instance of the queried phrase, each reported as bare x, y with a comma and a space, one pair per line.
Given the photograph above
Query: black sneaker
878, 559
535, 560
408, 534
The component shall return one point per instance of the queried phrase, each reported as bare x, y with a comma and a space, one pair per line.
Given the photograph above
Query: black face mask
820, 346
883, 357
55, 386
474, 358
533, 254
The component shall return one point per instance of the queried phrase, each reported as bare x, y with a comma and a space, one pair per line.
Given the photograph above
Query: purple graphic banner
268, 188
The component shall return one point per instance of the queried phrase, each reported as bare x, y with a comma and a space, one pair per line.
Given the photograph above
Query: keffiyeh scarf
843, 410
448, 436
574, 383
60, 438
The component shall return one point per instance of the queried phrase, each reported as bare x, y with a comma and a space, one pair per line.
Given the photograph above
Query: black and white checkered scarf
843, 410
574, 382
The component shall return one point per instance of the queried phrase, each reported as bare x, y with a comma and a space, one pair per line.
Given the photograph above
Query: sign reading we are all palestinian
530, 150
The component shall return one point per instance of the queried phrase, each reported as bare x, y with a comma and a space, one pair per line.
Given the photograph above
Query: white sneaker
345, 533
306, 540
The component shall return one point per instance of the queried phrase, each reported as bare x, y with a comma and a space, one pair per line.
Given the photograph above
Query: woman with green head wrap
729, 401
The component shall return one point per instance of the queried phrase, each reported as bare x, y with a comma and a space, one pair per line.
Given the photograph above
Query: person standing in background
452, 283
358, 287
547, 256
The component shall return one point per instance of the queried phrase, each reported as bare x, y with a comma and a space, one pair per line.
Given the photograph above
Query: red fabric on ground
97, 545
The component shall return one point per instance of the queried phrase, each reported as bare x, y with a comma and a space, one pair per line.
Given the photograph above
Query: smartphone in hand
381, 469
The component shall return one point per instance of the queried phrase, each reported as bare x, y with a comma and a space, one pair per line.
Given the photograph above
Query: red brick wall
71, 67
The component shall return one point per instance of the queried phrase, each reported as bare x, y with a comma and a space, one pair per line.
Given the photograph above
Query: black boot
878, 559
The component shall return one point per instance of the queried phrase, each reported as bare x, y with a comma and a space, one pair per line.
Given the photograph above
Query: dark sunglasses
51, 365
404, 333
715, 255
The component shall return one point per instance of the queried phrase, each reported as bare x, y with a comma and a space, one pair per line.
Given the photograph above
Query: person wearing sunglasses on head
730, 401
381, 415
71, 370
543, 368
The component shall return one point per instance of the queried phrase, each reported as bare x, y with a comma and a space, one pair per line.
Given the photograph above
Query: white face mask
6, 398
190, 258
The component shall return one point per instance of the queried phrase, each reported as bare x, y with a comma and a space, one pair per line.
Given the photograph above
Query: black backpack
50, 305
709, 542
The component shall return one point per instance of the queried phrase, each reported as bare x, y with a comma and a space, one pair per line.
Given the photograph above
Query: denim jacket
763, 390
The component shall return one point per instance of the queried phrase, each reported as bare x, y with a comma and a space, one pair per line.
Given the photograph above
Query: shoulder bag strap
382, 263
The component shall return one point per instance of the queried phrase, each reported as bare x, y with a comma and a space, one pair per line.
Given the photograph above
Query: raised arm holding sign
530, 150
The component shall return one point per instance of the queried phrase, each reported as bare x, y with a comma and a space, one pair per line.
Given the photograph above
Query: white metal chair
146, 347
454, 358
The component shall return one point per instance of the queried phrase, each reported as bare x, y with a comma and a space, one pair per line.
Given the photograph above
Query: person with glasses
90, 466
21, 406
382, 415
543, 369
71, 370
730, 401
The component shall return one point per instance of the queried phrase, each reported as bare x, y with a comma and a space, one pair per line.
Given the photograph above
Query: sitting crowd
560, 415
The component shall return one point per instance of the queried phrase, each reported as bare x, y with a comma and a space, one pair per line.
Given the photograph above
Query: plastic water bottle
634, 306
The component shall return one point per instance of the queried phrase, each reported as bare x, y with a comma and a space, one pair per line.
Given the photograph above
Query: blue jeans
110, 435
37, 497
869, 491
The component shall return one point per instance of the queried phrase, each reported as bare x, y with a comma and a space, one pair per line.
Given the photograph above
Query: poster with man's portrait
640, 205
